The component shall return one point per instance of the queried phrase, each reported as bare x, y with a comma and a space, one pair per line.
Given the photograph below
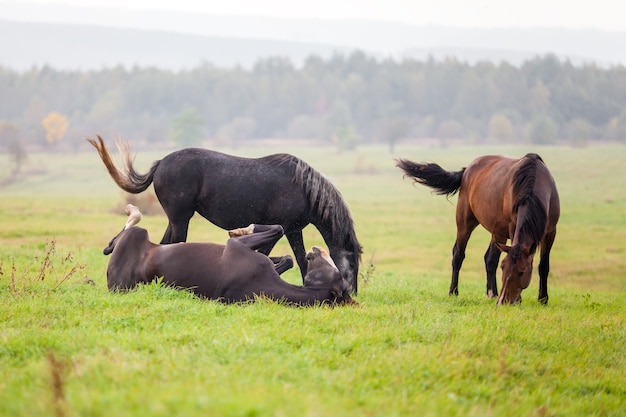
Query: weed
46, 269
588, 303
57, 380
12, 286
46, 264
369, 271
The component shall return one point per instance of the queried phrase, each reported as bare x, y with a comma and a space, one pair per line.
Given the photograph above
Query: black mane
534, 222
326, 201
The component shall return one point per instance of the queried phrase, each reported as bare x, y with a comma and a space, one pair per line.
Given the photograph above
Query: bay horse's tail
127, 179
433, 176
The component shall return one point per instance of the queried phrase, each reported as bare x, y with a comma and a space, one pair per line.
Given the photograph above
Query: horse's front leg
544, 266
282, 263
297, 246
492, 258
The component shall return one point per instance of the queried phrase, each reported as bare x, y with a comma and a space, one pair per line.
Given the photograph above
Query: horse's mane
326, 201
534, 223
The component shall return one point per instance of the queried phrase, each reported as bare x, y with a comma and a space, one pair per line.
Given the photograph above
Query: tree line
347, 99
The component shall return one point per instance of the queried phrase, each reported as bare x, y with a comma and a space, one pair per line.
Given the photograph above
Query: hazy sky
598, 14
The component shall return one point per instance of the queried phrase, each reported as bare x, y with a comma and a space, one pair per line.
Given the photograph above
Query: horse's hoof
242, 231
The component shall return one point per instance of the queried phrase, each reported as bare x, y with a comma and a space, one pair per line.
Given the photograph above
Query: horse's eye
520, 273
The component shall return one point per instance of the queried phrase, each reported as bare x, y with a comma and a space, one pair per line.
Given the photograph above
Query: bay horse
235, 272
232, 192
513, 199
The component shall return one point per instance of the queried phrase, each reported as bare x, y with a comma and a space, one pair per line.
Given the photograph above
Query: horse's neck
522, 235
335, 239
303, 295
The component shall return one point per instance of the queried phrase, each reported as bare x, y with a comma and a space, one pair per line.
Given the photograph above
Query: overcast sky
598, 14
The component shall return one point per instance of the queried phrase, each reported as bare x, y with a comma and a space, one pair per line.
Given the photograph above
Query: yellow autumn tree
56, 125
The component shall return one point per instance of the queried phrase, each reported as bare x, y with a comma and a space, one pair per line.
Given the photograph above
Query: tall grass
68, 347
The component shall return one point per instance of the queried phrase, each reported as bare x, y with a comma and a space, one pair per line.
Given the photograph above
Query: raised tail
433, 176
127, 179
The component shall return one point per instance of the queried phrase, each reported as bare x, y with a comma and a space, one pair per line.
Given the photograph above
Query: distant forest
345, 100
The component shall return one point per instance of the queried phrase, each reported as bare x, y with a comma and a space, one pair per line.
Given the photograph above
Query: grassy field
68, 347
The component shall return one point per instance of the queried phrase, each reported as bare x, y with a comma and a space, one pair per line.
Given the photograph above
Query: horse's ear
503, 248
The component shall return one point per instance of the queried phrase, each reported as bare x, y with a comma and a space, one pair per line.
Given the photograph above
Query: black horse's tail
128, 180
433, 176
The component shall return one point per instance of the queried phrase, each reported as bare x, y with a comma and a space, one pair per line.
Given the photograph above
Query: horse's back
218, 169
486, 191
230, 191
487, 178
490, 165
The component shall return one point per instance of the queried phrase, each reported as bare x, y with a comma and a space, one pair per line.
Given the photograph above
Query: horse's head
134, 216
517, 270
323, 273
347, 261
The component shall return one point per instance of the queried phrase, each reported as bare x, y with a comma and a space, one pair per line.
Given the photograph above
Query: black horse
232, 192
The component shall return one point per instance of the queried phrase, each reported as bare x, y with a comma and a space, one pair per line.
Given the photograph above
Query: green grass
68, 347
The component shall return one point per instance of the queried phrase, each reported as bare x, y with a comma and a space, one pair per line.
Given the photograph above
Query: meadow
68, 347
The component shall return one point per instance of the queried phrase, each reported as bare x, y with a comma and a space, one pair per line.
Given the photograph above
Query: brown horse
230, 273
513, 199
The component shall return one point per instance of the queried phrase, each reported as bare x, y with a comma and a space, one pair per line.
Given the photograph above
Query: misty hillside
69, 46
89, 47
80, 37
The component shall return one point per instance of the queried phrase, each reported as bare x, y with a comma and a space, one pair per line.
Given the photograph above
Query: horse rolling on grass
235, 272
232, 192
513, 199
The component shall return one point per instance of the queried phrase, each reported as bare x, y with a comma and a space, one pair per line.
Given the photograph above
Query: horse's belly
243, 213
492, 218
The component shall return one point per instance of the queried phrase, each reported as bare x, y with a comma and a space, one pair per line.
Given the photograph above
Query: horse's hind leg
458, 255
176, 233
492, 257
544, 266
179, 209
167, 236
177, 228
465, 225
